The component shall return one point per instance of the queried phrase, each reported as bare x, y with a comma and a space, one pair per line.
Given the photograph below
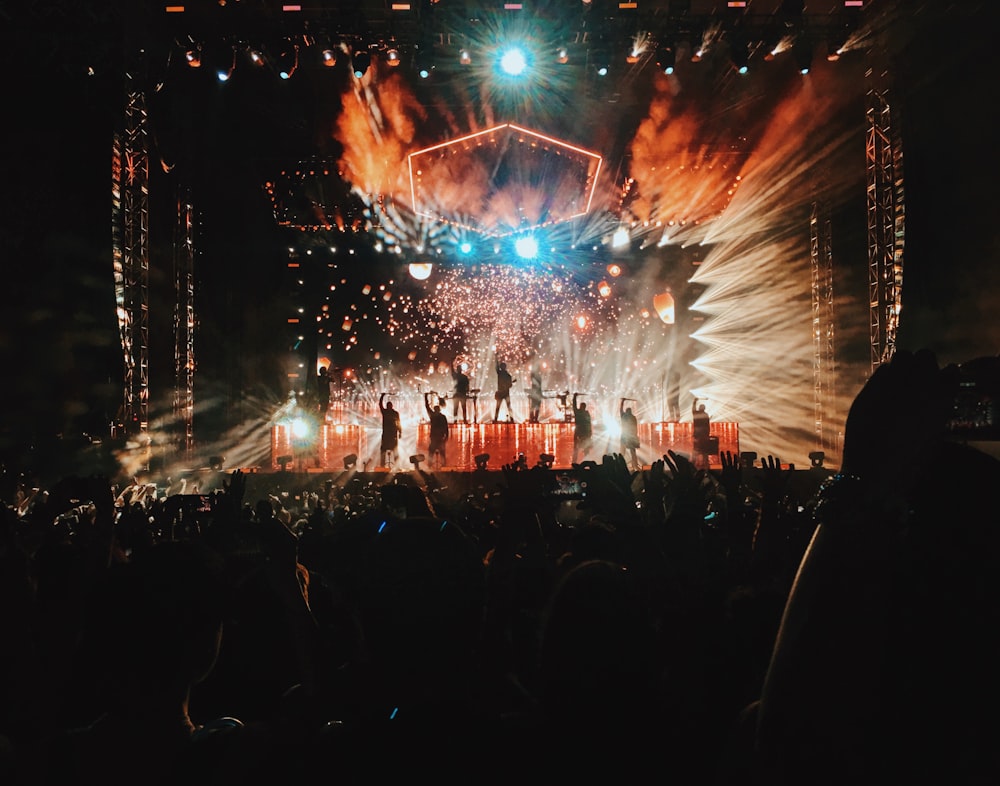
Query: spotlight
283, 462
562, 55
423, 59
256, 57
415, 460
392, 57
482, 460
193, 56
739, 54
546, 460
350, 460
224, 74
513, 61
665, 59
816, 459
465, 57
803, 53
328, 57
288, 62
361, 61
216, 462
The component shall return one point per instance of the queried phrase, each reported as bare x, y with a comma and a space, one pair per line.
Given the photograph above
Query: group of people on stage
576, 410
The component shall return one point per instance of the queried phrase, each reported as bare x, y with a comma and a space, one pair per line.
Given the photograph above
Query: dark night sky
58, 334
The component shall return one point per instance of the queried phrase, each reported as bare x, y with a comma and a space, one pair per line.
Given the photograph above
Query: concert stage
338, 445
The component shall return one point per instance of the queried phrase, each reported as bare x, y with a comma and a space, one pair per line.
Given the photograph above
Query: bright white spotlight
526, 247
513, 62
621, 237
421, 271
300, 427
465, 247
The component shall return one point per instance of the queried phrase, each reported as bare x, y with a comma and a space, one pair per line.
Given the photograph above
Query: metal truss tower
824, 361
886, 220
184, 323
130, 244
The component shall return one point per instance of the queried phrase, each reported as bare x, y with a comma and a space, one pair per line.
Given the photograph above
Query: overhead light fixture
665, 59
803, 53
288, 62
392, 57
465, 57
193, 56
423, 59
223, 74
739, 54
328, 57
360, 61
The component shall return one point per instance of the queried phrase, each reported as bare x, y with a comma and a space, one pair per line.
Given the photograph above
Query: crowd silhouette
751, 625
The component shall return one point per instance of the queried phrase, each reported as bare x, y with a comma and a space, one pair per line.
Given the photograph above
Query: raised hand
731, 476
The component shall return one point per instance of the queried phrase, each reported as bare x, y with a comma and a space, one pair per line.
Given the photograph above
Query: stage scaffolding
184, 321
130, 252
886, 220
824, 368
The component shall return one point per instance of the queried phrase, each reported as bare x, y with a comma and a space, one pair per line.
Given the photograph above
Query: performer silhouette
438, 433
504, 383
582, 430
700, 434
460, 395
391, 432
630, 434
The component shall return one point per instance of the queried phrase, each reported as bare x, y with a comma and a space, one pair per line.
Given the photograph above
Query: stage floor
502, 442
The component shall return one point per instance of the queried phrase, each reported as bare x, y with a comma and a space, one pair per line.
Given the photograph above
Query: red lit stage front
501, 441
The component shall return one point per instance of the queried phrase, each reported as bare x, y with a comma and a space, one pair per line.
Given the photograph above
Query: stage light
526, 247
803, 53
739, 54
465, 247
350, 460
482, 460
665, 59
224, 74
816, 459
392, 57
328, 57
604, 289
614, 270
284, 461
193, 56
546, 460
465, 57
217, 462
256, 57
288, 62
360, 60
416, 458
513, 61
423, 59
562, 55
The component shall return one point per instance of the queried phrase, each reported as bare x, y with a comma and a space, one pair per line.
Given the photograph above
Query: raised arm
381, 402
